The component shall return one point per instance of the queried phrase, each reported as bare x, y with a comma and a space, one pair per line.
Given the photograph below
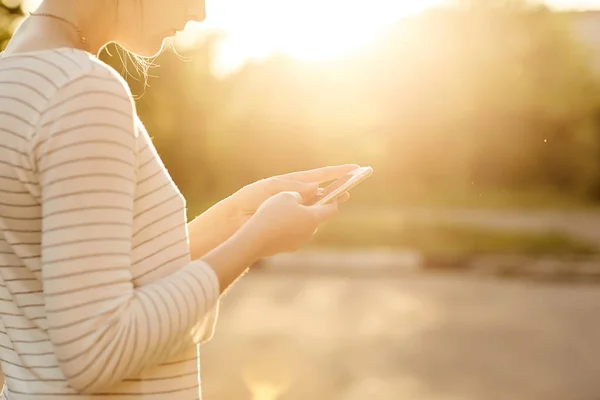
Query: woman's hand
244, 203
225, 218
281, 224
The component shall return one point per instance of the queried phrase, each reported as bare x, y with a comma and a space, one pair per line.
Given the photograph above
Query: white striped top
98, 295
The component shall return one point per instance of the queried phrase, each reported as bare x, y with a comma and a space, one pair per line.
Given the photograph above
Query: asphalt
414, 337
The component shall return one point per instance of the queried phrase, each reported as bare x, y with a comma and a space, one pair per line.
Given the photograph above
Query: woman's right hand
283, 224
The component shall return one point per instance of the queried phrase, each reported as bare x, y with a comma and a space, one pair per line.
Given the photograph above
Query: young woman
104, 290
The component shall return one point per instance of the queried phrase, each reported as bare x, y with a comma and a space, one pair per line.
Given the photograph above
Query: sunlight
264, 393
267, 376
305, 29
29, 6
312, 30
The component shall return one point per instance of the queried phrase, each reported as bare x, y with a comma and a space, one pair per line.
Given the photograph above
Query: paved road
410, 338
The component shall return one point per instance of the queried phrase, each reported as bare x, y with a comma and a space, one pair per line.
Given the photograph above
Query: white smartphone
342, 185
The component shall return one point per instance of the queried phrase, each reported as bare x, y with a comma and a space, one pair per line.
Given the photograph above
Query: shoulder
92, 97
52, 69
88, 72
90, 85
91, 108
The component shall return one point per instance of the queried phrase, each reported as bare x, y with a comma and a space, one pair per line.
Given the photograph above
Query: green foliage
7, 19
502, 99
443, 239
498, 97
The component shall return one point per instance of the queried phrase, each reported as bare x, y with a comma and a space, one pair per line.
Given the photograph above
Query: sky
576, 4
310, 29
313, 30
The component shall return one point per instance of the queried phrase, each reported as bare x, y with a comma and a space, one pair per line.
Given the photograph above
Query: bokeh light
307, 29
28, 6
11, 3
482, 123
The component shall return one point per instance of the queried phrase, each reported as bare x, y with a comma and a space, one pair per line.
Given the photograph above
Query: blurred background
466, 268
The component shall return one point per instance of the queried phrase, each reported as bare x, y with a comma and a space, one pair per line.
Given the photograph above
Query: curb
374, 262
335, 261
540, 268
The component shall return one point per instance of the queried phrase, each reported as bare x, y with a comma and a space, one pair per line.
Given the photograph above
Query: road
420, 337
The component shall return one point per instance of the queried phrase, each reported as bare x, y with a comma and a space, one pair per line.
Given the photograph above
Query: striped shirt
98, 295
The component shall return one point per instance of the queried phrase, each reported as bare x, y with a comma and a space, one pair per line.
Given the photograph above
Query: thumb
293, 196
277, 185
308, 190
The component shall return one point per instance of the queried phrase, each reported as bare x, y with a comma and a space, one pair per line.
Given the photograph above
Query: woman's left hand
225, 218
245, 202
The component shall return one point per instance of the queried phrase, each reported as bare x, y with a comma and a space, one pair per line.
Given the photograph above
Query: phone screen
341, 185
326, 191
336, 185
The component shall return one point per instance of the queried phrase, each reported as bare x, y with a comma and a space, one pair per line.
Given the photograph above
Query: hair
141, 64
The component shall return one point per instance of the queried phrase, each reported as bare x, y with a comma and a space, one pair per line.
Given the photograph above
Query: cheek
155, 22
157, 15
156, 19
196, 10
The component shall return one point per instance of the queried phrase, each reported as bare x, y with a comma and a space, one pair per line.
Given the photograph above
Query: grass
443, 239
406, 197
505, 199
495, 199
365, 224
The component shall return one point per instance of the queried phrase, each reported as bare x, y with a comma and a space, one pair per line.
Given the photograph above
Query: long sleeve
102, 327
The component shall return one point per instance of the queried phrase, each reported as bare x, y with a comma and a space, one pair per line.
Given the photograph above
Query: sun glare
305, 29
30, 5
311, 30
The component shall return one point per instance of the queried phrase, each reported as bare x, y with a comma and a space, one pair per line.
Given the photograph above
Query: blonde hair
141, 64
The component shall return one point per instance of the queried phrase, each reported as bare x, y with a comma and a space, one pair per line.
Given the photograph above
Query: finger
326, 212
344, 197
294, 196
307, 190
320, 174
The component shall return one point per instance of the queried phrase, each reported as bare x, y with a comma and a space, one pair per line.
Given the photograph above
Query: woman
105, 292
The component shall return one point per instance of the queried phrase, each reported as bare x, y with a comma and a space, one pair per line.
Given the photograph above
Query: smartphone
342, 185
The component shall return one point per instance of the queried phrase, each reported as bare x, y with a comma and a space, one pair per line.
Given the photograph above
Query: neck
63, 34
